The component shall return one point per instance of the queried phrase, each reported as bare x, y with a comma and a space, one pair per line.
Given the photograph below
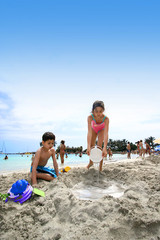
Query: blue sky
58, 57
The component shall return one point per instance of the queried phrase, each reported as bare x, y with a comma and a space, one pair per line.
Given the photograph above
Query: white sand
60, 215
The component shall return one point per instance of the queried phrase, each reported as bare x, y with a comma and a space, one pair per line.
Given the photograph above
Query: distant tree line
115, 145
71, 149
120, 145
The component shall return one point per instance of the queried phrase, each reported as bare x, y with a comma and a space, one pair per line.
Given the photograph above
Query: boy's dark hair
62, 141
48, 136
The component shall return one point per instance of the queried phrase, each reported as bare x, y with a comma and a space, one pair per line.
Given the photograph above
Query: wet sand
60, 215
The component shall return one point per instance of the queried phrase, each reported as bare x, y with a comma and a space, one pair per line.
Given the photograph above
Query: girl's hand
104, 152
88, 151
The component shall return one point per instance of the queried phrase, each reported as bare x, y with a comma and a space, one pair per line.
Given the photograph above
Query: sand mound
60, 215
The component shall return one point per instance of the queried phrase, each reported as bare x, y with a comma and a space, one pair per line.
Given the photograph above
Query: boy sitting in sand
38, 169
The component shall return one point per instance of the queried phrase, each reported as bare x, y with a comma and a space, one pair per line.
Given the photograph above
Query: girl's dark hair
98, 104
62, 141
48, 136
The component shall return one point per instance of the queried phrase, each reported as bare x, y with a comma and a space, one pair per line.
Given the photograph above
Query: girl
62, 151
98, 125
138, 149
110, 153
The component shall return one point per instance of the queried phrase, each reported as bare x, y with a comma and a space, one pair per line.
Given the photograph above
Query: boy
42, 155
110, 153
128, 150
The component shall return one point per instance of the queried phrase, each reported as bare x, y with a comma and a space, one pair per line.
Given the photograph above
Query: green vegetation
120, 145
150, 141
115, 145
71, 149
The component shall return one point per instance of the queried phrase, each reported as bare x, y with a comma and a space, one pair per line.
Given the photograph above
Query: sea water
23, 162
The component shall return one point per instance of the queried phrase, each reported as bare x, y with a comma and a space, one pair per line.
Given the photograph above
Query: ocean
18, 162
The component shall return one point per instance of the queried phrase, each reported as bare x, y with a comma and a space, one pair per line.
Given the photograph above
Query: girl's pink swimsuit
97, 127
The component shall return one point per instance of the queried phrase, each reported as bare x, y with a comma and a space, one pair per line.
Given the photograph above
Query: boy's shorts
41, 169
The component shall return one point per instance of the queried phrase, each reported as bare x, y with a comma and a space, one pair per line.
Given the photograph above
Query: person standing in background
62, 151
128, 150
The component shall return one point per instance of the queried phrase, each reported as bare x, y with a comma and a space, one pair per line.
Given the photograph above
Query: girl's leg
99, 143
140, 152
62, 157
100, 138
144, 151
93, 141
100, 165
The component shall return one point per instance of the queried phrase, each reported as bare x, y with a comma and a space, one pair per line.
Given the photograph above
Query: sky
59, 56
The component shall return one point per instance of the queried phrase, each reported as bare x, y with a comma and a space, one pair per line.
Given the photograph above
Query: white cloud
63, 109
3, 106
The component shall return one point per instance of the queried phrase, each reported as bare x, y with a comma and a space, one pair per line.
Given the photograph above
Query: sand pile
60, 215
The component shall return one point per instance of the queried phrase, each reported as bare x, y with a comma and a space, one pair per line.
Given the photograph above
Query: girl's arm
55, 163
89, 135
104, 153
34, 167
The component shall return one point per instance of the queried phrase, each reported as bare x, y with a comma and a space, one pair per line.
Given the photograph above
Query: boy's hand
35, 185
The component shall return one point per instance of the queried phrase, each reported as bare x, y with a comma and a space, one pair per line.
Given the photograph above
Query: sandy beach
61, 215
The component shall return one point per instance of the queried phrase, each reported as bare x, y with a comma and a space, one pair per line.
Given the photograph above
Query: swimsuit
42, 169
97, 127
62, 150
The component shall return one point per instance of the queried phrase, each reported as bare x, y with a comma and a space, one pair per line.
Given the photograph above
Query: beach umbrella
157, 148
157, 140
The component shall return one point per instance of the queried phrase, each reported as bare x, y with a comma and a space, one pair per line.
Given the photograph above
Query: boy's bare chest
45, 156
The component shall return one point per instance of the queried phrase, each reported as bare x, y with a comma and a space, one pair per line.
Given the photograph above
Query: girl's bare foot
90, 164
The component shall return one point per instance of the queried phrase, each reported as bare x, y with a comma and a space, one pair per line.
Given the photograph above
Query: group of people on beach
143, 149
98, 126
